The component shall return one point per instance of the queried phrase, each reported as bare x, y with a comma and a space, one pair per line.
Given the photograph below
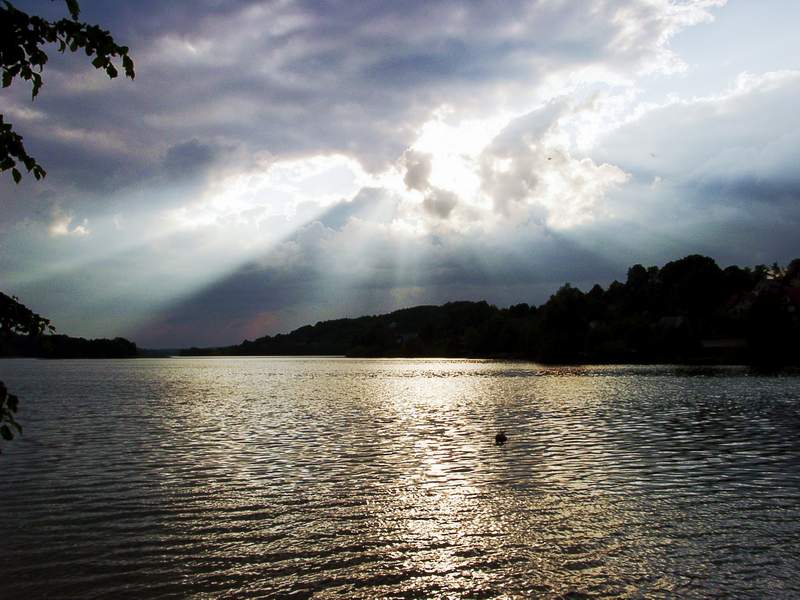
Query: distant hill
688, 311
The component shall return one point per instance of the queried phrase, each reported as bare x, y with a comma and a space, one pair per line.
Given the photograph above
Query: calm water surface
276, 477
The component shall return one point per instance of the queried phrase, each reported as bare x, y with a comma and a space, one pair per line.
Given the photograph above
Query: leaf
7, 78
16, 175
74, 8
16, 425
13, 403
5, 432
127, 64
37, 84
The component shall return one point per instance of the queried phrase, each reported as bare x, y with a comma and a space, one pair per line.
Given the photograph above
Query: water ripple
380, 478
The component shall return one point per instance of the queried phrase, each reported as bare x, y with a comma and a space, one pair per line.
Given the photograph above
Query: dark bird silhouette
501, 438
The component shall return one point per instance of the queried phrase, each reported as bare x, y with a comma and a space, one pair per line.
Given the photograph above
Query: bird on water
501, 438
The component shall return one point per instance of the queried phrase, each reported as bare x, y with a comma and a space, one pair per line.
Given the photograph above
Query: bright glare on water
284, 477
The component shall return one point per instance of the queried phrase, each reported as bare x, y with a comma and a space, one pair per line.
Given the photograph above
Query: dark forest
687, 311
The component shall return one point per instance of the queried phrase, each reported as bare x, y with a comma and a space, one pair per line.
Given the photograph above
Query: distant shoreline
688, 312
520, 359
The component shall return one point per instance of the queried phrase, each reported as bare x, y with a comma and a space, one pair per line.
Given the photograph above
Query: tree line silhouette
24, 333
688, 311
64, 346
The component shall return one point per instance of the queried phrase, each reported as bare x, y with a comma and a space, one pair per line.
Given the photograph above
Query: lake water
300, 477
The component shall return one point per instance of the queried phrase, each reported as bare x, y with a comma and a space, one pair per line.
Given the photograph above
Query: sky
277, 163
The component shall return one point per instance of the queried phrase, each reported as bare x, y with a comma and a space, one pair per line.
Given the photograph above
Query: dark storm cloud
308, 77
188, 157
233, 88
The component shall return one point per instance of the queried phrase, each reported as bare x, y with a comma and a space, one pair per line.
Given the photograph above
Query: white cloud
62, 225
418, 150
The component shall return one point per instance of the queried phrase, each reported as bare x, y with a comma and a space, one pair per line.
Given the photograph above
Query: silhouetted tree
22, 41
16, 319
792, 274
23, 38
735, 279
771, 332
564, 326
692, 286
688, 311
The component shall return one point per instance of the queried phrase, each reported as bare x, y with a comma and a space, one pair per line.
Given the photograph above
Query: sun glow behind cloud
266, 193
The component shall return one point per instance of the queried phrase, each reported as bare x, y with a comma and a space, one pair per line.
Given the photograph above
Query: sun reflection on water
380, 478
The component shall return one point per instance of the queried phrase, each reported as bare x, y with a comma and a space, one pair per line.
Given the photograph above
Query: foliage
25, 333
8, 406
689, 310
22, 39
62, 346
16, 319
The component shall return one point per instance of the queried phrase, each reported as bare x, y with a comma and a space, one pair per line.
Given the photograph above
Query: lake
301, 477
